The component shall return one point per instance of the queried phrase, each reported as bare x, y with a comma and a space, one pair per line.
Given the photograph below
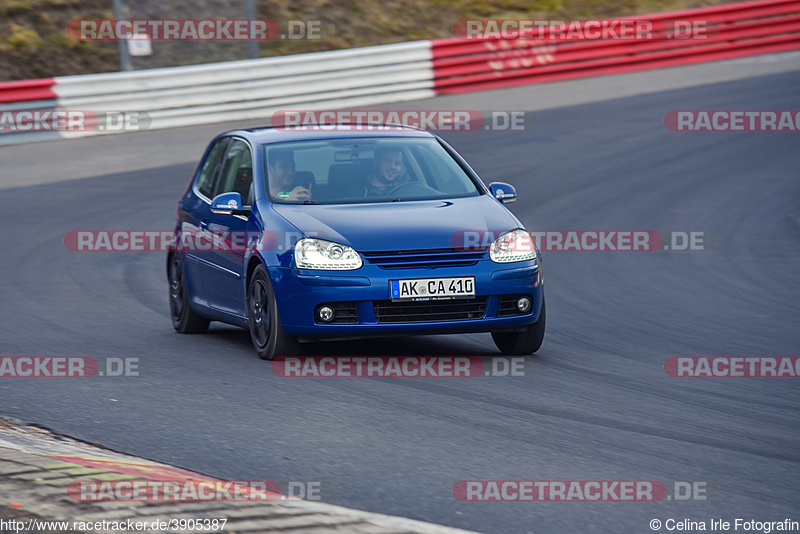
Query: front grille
415, 259
433, 311
508, 305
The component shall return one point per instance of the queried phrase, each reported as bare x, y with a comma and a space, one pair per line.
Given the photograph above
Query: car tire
520, 343
184, 320
268, 337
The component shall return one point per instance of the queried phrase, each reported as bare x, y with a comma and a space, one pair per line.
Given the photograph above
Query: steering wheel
412, 188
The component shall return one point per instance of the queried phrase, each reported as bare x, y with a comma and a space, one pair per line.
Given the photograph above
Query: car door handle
204, 225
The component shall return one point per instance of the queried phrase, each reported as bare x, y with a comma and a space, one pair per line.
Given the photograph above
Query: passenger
282, 177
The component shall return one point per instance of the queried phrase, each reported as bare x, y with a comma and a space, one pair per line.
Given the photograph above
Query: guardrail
747, 28
184, 96
242, 90
26, 90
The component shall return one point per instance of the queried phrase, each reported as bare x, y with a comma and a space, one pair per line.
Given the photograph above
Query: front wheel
184, 320
265, 327
527, 342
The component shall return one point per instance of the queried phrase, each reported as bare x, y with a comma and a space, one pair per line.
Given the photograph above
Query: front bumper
300, 292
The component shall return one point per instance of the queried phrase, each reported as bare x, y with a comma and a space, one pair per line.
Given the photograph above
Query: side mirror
229, 204
503, 192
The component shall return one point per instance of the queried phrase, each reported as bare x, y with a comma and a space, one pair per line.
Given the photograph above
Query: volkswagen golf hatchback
306, 235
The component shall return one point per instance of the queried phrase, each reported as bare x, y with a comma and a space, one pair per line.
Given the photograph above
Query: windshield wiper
397, 200
309, 202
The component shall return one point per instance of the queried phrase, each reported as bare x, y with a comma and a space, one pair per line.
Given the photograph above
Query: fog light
326, 314
524, 304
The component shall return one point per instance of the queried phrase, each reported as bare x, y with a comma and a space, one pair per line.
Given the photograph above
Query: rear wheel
526, 342
184, 320
265, 327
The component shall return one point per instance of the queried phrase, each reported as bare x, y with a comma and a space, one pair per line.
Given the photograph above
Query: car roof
269, 134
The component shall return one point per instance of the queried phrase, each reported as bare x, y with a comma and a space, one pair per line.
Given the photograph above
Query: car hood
412, 225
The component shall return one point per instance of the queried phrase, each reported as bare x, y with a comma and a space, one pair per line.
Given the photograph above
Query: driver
282, 177
388, 164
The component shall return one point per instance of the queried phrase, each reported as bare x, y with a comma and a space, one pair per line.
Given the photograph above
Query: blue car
302, 235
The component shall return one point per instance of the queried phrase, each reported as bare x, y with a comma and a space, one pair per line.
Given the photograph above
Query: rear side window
205, 184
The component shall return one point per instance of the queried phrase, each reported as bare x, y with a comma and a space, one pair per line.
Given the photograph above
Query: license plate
433, 288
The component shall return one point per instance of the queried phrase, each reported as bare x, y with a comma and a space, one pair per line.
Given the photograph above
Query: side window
237, 171
210, 168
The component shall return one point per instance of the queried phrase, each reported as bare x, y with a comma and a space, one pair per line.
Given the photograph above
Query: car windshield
346, 171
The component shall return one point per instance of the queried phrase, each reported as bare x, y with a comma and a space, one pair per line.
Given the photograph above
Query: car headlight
312, 253
516, 245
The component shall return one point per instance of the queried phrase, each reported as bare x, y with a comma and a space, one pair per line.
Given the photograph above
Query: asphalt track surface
598, 406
